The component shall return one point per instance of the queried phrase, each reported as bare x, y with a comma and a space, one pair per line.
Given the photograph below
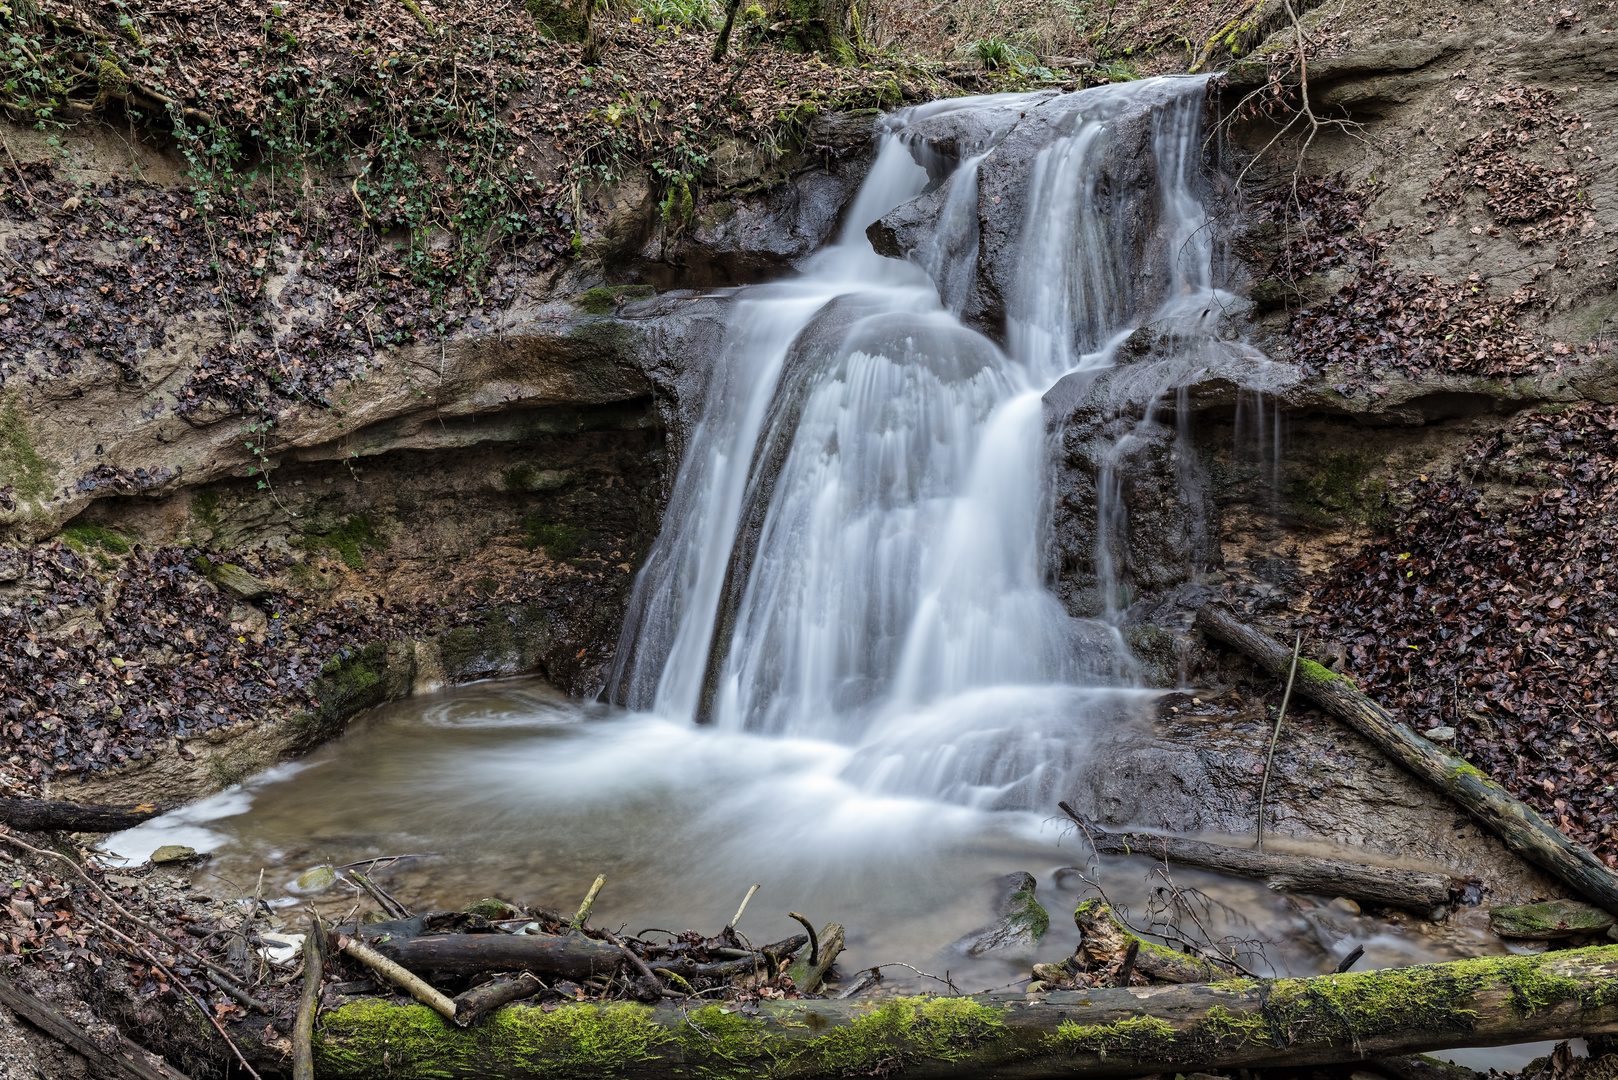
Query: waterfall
854, 546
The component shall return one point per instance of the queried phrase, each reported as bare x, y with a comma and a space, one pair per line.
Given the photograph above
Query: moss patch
903, 1031
558, 21
347, 539
1339, 487
21, 465
352, 680
605, 299
1026, 913
1139, 1036
89, 537
1314, 672
575, 1043
558, 540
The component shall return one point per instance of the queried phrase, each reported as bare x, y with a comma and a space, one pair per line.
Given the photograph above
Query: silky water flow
843, 673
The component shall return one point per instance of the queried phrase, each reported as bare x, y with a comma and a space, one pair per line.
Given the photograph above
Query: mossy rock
351, 681
174, 853
348, 539
1549, 921
96, 537
234, 580
605, 299
1022, 919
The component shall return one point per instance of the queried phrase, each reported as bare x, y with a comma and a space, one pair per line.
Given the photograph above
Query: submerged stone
1549, 921
1023, 921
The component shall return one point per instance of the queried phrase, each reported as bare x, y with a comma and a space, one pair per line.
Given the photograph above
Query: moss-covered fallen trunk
1113, 1032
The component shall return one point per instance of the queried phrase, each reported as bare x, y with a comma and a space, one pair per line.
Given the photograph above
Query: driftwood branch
45, 815
124, 1060
1246, 1023
570, 956
1418, 890
1491, 805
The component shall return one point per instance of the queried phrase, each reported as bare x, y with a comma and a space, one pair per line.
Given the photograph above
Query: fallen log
1491, 805
571, 956
1241, 1023
1418, 890
46, 815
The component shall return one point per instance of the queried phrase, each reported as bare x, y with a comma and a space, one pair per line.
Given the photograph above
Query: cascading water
854, 550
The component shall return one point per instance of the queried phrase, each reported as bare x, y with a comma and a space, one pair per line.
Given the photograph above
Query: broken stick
314, 964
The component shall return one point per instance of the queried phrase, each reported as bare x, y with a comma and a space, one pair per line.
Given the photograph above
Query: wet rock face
760, 216
1122, 189
1198, 771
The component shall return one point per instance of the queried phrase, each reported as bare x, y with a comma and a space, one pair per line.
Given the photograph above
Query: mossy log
1491, 805
1241, 1023
1419, 890
45, 815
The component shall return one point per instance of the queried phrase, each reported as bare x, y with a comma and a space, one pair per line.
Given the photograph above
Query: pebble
173, 853
1440, 734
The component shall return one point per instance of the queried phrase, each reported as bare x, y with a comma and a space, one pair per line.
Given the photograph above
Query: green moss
490, 907
21, 466
350, 681
1027, 913
581, 1042
1314, 672
230, 771
1220, 1029
205, 508
559, 540
722, 1042
1339, 487
908, 1029
604, 299
347, 540
90, 536
1552, 919
1143, 1037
